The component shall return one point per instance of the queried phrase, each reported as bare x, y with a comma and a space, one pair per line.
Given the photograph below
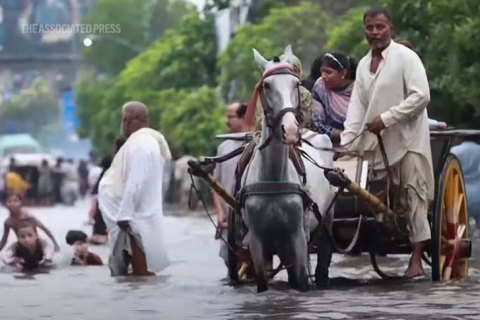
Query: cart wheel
451, 247
232, 246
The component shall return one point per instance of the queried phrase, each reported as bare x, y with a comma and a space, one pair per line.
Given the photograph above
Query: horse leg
324, 258
256, 250
300, 249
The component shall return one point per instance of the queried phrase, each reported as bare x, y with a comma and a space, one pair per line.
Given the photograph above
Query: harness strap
272, 188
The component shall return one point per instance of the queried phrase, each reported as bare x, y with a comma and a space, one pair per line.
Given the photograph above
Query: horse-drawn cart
367, 216
448, 250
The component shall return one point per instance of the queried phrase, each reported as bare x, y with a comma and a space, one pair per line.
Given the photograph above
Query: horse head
279, 95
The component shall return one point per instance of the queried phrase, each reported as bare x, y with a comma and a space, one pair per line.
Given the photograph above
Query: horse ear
261, 61
288, 53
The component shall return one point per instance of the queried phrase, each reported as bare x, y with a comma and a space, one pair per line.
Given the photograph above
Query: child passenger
29, 252
17, 215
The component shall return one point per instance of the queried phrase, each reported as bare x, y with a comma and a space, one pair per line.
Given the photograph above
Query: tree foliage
180, 78
302, 26
444, 34
35, 107
183, 58
140, 23
192, 117
346, 36
177, 70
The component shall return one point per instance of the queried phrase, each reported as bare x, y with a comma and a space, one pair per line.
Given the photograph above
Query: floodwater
192, 287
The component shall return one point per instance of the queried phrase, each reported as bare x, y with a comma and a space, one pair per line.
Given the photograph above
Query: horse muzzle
290, 134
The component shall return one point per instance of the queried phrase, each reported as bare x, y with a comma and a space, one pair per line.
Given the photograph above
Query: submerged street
194, 286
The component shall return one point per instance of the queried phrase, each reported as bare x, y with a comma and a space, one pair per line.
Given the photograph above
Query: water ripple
191, 288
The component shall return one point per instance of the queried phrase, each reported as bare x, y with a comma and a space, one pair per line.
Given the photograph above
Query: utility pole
253, 11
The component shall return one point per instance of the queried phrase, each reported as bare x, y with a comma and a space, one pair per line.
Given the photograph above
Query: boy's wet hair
24, 224
15, 194
74, 236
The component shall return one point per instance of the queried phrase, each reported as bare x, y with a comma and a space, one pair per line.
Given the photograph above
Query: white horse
187, 199
278, 220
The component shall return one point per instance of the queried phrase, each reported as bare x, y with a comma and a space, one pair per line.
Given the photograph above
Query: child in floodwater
17, 215
82, 255
29, 252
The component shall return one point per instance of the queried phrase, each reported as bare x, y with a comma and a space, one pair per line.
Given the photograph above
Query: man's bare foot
415, 267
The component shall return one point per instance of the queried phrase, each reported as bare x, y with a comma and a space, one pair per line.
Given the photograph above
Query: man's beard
122, 131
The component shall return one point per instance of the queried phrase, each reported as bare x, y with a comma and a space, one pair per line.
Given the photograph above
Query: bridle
272, 120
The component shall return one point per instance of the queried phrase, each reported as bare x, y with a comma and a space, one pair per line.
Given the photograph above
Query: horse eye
266, 85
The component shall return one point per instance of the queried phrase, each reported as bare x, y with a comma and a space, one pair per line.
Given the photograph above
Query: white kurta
131, 190
400, 93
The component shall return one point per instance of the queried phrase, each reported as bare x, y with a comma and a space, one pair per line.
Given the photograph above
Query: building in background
26, 55
228, 20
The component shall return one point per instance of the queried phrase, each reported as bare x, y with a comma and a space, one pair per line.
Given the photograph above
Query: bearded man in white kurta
390, 97
130, 197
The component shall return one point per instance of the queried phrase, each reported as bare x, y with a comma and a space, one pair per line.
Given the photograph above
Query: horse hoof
303, 288
262, 288
322, 283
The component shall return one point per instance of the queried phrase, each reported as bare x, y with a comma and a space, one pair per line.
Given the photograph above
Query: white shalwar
131, 190
400, 93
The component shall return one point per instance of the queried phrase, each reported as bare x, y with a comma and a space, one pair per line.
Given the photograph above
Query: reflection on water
192, 287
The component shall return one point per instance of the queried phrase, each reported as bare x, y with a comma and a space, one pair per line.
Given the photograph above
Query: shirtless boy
29, 252
18, 215
82, 255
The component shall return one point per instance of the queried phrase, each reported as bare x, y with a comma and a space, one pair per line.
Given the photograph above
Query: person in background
83, 176
45, 183
225, 171
94, 172
468, 154
58, 176
12, 166
331, 94
3, 188
433, 124
70, 184
99, 232
315, 73
15, 184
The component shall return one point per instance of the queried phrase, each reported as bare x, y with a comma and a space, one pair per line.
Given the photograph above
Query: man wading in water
130, 197
391, 92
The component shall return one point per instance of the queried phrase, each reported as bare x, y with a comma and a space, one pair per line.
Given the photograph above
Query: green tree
192, 117
183, 58
35, 106
301, 26
97, 120
346, 36
444, 34
178, 64
139, 23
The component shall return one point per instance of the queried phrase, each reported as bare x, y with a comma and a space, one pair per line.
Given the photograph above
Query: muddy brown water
192, 287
